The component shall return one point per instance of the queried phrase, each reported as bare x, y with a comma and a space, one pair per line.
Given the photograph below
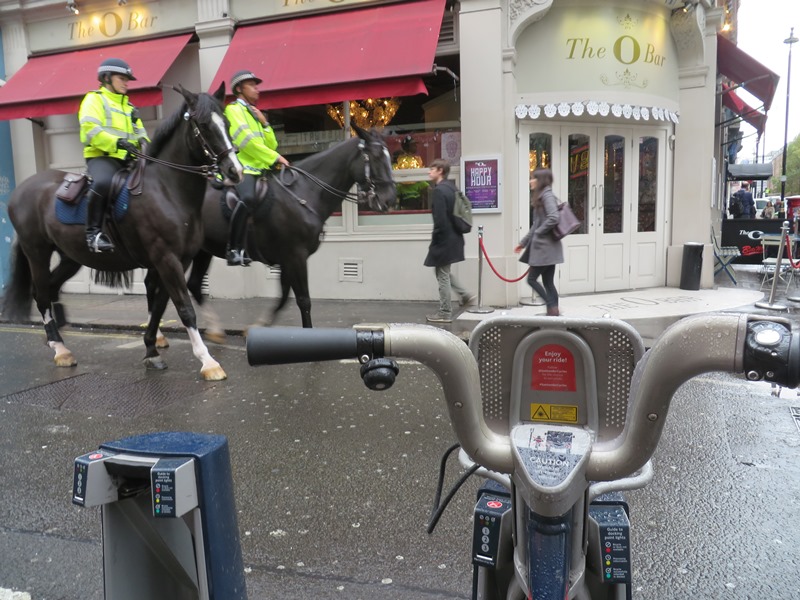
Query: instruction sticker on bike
553, 369
557, 413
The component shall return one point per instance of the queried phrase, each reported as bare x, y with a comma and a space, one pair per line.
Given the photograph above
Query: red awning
741, 109
744, 70
345, 55
55, 84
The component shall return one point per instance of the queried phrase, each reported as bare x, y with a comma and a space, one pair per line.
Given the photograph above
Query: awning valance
749, 172
345, 55
55, 84
745, 71
741, 109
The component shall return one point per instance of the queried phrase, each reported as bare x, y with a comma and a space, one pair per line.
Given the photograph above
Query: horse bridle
370, 193
210, 170
369, 183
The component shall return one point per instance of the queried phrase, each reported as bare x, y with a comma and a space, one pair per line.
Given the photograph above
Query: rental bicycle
560, 416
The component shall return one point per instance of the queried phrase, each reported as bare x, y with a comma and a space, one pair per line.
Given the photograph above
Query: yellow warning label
554, 412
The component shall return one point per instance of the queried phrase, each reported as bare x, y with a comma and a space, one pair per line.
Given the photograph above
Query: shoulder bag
567, 222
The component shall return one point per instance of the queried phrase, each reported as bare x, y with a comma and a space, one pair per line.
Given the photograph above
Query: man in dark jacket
447, 244
748, 205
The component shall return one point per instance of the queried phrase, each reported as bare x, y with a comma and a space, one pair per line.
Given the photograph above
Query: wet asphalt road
333, 483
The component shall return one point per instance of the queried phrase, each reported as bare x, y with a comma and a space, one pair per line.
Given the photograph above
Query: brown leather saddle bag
72, 187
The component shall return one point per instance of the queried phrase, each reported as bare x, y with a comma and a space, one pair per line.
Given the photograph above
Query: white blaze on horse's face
219, 123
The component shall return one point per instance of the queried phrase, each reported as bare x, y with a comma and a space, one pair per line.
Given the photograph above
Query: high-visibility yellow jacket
258, 147
105, 117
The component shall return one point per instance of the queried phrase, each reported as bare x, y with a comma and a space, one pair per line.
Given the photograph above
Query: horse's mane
166, 130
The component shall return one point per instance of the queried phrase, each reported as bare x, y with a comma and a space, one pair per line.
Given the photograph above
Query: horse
162, 230
286, 229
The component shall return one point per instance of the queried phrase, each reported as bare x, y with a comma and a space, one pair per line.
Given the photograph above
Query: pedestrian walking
539, 248
447, 244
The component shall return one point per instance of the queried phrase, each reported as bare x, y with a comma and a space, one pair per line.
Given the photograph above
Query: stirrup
98, 242
237, 258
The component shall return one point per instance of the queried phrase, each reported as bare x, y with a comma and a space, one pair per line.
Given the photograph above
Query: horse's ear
220, 93
190, 97
362, 133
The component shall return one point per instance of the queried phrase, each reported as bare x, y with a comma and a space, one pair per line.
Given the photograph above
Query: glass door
614, 180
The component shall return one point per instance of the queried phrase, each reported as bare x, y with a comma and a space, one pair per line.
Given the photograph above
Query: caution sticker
558, 413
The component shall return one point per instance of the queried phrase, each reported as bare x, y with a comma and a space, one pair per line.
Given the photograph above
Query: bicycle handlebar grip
284, 345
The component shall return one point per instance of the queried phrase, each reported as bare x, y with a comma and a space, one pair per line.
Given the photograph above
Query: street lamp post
790, 40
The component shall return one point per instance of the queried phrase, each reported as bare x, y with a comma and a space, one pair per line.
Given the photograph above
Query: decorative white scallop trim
593, 107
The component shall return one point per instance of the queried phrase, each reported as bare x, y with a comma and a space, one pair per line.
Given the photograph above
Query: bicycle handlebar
695, 345
441, 351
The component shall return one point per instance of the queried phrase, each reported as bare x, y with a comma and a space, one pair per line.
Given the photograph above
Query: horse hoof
162, 342
65, 360
215, 337
155, 363
213, 373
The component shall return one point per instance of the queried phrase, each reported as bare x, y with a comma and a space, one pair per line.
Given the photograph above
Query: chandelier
372, 112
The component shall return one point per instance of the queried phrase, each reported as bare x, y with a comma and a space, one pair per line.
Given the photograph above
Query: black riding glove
129, 147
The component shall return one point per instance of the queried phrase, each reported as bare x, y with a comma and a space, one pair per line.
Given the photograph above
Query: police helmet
111, 66
241, 77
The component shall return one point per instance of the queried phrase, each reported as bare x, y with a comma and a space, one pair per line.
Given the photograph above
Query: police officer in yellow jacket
258, 151
110, 129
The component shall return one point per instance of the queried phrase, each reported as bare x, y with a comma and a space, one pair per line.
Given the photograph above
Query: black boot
95, 238
238, 228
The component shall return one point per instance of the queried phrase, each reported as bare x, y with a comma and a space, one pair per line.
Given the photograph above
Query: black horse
162, 230
287, 228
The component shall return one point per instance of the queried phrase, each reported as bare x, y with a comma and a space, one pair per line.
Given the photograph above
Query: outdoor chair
724, 256
770, 263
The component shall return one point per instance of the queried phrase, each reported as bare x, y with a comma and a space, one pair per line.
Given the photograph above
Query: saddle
74, 185
71, 194
230, 196
131, 176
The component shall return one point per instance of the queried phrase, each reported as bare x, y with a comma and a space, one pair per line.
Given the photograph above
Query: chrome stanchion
776, 275
793, 241
480, 309
535, 300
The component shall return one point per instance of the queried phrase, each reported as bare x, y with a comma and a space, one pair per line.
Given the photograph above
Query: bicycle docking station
610, 538
492, 516
168, 517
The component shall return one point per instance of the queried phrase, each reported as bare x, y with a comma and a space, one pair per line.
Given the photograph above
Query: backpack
735, 206
462, 213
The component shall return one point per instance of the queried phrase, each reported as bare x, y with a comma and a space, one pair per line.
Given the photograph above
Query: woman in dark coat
542, 251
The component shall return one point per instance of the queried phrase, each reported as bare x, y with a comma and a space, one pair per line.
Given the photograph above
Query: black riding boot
238, 229
95, 238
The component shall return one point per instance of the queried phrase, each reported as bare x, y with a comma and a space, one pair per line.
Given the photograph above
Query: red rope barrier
483, 250
787, 243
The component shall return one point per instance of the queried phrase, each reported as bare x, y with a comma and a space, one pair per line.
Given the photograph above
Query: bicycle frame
565, 413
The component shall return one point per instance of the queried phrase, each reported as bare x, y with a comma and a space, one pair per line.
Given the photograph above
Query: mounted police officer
110, 129
258, 151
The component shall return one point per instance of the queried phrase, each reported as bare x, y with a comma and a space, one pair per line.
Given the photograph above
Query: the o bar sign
553, 369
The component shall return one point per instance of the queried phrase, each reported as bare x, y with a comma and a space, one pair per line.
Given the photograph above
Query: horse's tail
19, 294
114, 279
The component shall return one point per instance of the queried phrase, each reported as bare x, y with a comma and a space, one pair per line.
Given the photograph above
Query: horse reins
209, 170
344, 195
